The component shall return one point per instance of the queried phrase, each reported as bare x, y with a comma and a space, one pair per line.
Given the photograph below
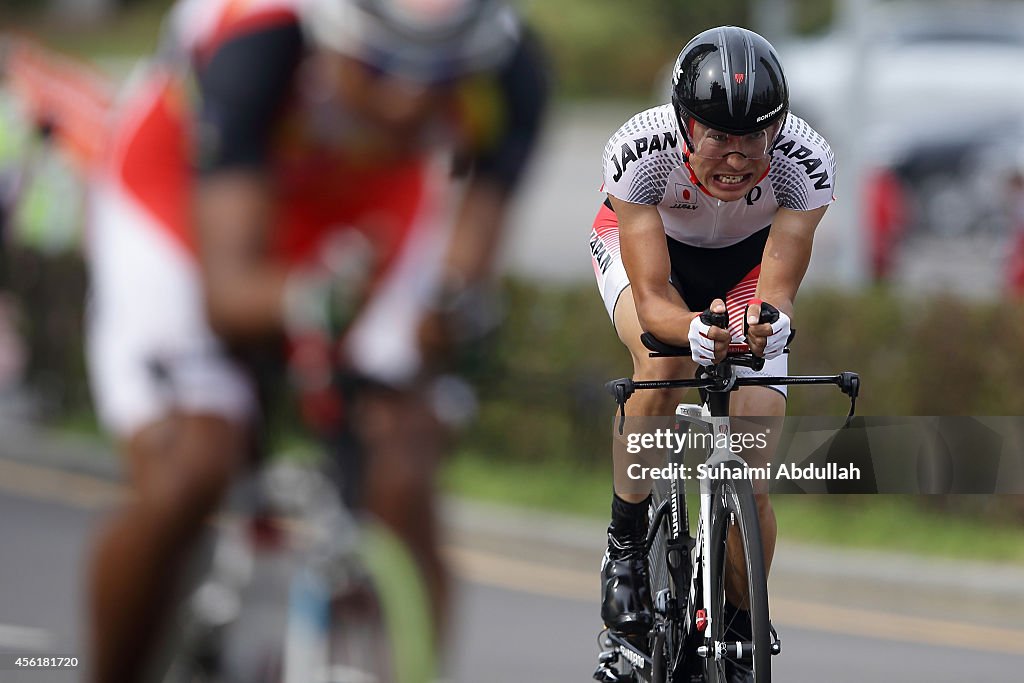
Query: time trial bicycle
696, 635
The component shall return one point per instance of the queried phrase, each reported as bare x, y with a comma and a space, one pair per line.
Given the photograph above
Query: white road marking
24, 638
42, 483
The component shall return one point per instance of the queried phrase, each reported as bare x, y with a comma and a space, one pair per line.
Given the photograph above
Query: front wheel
739, 640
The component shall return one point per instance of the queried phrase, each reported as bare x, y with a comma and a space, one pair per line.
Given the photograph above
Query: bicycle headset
427, 42
729, 79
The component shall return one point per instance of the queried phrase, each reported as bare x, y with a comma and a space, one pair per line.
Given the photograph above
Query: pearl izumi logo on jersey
686, 196
640, 146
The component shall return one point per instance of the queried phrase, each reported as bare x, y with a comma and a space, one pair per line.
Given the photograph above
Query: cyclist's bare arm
244, 289
497, 166
476, 234
645, 256
784, 263
234, 206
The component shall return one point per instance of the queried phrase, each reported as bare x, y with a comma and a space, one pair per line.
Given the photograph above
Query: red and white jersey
644, 164
195, 27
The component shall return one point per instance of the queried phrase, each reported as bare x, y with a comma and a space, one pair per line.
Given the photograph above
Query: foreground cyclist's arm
244, 289
659, 307
508, 119
234, 209
786, 255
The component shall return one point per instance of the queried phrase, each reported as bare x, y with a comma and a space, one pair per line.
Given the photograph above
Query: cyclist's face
729, 166
396, 105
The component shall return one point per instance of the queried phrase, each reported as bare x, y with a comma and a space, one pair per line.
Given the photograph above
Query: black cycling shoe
626, 605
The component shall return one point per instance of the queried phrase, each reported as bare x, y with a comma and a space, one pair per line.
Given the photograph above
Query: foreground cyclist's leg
626, 600
755, 402
403, 442
179, 468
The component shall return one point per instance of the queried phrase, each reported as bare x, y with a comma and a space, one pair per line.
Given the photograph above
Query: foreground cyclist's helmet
729, 79
422, 40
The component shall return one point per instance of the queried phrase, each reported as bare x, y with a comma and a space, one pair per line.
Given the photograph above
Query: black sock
629, 516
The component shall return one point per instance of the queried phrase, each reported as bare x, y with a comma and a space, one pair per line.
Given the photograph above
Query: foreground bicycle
357, 607
696, 635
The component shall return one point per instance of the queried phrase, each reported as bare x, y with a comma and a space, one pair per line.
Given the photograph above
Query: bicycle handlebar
719, 377
622, 389
738, 354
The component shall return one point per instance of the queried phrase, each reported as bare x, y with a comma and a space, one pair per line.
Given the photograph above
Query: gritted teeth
732, 179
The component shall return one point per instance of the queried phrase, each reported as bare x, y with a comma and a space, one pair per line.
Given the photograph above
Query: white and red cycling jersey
230, 90
715, 247
644, 164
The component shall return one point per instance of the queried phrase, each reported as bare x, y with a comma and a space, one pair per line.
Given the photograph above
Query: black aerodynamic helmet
729, 79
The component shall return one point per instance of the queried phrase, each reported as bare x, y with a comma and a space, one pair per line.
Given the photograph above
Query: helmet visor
714, 144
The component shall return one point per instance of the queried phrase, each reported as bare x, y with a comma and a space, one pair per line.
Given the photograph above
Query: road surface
527, 599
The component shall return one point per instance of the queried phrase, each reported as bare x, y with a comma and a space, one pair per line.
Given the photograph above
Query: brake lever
849, 384
621, 390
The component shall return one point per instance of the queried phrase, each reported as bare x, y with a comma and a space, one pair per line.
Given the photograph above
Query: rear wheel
743, 647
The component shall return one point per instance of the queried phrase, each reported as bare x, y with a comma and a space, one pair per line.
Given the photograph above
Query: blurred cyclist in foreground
281, 170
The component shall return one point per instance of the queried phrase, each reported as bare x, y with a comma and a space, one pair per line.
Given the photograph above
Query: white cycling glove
779, 337
702, 348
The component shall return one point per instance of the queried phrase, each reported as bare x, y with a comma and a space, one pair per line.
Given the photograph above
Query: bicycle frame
699, 552
718, 382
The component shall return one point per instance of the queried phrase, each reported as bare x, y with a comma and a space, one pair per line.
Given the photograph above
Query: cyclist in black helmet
712, 202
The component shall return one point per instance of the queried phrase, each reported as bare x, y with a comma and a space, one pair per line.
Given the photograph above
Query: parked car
930, 94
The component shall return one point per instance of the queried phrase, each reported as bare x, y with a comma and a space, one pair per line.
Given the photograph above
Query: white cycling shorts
149, 347
151, 351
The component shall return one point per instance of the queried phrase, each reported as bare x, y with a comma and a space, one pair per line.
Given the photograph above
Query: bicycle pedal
604, 674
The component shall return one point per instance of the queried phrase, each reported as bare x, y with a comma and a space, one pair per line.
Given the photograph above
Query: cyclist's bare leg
755, 402
404, 442
179, 469
644, 403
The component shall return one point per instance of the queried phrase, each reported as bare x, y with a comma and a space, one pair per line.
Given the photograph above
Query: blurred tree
82, 10
609, 48
811, 16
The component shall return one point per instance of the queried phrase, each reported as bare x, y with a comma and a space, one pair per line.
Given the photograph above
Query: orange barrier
69, 96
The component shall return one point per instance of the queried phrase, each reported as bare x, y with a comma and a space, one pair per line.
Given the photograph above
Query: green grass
902, 523
555, 486
879, 522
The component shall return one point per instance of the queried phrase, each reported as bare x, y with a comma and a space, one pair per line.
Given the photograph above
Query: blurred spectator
886, 214
1015, 262
52, 131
